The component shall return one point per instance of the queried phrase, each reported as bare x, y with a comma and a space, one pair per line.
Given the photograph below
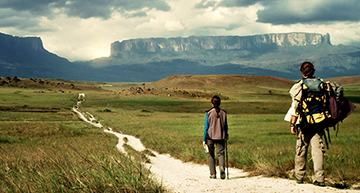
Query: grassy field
168, 117
43, 139
45, 147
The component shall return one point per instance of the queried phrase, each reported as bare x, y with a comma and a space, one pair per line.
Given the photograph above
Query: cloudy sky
84, 29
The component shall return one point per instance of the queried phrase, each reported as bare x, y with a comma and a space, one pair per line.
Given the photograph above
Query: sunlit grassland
259, 143
260, 140
48, 148
19, 97
119, 86
45, 147
168, 104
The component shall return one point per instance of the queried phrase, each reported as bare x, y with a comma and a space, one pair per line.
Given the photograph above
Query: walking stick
227, 159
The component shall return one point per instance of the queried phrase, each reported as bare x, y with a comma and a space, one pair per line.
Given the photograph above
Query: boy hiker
309, 109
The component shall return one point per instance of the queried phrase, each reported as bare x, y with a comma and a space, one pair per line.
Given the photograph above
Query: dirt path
177, 176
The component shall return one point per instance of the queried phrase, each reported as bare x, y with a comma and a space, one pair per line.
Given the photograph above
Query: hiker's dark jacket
215, 128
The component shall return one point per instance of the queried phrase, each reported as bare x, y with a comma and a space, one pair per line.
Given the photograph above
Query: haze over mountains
148, 60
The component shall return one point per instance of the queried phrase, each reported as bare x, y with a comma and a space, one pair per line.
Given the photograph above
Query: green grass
54, 151
260, 141
29, 97
47, 148
169, 104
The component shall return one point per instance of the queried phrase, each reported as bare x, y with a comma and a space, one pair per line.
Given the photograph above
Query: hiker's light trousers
220, 148
317, 153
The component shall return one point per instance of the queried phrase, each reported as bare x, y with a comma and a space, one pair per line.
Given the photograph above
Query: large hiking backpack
315, 104
340, 106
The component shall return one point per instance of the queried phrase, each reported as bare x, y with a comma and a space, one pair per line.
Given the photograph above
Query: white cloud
173, 26
78, 39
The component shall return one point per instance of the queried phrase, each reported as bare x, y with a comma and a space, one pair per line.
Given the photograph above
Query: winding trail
177, 176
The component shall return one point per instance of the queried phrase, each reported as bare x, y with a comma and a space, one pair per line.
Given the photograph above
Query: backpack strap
328, 132
325, 138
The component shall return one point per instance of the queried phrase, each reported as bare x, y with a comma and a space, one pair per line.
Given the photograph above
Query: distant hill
346, 80
152, 59
203, 87
238, 82
53, 85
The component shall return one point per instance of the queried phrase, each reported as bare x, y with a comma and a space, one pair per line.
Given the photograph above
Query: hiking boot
321, 184
222, 172
213, 176
296, 180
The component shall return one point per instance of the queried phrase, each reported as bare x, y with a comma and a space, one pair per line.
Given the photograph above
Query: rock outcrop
206, 43
26, 57
20, 44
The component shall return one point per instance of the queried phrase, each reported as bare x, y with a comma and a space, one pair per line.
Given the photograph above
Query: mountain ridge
152, 59
206, 49
16, 42
179, 44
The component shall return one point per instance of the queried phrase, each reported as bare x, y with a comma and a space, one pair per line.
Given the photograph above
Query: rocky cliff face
203, 43
20, 44
26, 57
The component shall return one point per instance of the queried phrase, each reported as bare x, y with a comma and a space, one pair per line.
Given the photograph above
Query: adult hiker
215, 134
307, 122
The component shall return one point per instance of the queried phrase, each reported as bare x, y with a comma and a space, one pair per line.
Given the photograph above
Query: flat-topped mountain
268, 54
209, 50
20, 44
200, 43
18, 49
152, 59
25, 57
